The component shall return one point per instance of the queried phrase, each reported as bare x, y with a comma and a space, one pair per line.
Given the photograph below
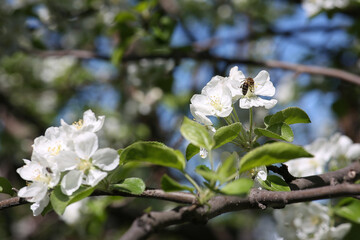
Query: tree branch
299, 68
148, 223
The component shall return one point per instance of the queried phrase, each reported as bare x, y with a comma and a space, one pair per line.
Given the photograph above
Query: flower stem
192, 181
251, 126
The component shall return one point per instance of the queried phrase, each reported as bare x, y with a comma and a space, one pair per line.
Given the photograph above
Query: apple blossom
86, 163
88, 123
214, 100
51, 144
308, 222
42, 176
262, 87
333, 153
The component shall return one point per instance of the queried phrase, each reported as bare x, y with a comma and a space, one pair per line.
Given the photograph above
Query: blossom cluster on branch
68, 155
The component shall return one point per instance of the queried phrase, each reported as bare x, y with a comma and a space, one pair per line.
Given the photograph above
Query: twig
299, 68
143, 226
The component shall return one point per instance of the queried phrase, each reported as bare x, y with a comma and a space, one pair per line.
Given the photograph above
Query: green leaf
271, 153
206, 173
130, 185
349, 208
267, 120
227, 168
5, 186
60, 201
275, 183
226, 134
278, 131
170, 185
197, 134
289, 116
240, 186
153, 152
191, 151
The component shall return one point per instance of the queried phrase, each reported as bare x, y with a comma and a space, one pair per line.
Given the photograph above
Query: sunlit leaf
271, 153
153, 152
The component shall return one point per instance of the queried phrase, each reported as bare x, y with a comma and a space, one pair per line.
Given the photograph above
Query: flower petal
91, 123
94, 177
106, 159
38, 207
267, 89
86, 144
34, 192
262, 78
71, 182
199, 116
247, 103
67, 160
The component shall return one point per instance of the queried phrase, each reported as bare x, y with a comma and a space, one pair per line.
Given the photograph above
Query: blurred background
138, 63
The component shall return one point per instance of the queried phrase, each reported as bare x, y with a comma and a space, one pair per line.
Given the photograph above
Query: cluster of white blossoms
329, 154
68, 155
219, 95
312, 7
308, 221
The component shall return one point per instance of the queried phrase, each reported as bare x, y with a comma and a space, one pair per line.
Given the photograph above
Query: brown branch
299, 68
148, 223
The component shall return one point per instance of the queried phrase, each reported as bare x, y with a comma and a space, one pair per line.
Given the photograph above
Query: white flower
86, 163
312, 166
88, 123
214, 100
43, 177
262, 87
344, 151
312, 7
51, 144
308, 222
74, 212
232, 83
335, 153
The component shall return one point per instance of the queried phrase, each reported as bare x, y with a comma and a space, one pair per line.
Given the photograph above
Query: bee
49, 170
247, 85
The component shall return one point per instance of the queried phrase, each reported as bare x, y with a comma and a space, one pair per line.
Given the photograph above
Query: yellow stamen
79, 124
54, 150
215, 103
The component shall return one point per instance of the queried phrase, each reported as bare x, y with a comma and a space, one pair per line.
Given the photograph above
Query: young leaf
240, 186
60, 201
130, 185
275, 183
349, 208
226, 134
197, 134
153, 152
170, 185
191, 151
271, 153
228, 168
289, 116
206, 173
5, 186
278, 131
267, 120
